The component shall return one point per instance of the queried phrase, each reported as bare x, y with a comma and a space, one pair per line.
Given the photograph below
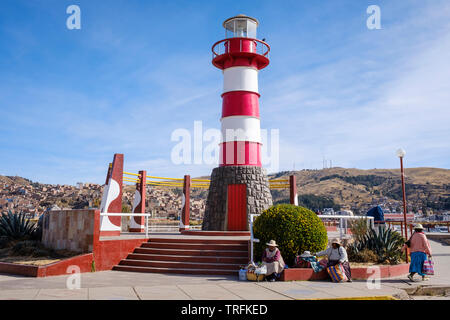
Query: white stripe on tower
241, 128
240, 79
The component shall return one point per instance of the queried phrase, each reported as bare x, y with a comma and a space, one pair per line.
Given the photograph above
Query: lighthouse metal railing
223, 47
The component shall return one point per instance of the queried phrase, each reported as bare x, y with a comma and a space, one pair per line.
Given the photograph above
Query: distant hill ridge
427, 189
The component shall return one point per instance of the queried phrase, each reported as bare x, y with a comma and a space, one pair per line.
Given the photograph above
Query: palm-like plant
16, 226
386, 243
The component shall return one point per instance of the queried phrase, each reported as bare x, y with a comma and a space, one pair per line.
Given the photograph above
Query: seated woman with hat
337, 254
273, 260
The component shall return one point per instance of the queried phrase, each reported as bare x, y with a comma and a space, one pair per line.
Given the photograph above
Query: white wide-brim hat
272, 243
306, 254
336, 240
418, 226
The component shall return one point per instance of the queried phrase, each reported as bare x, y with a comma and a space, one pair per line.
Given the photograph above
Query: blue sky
138, 70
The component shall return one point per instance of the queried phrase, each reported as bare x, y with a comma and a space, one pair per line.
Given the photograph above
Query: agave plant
16, 226
385, 242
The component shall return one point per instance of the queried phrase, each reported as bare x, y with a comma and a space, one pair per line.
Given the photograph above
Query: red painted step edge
361, 273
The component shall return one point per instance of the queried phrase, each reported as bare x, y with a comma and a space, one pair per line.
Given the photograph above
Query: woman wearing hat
419, 248
273, 260
337, 254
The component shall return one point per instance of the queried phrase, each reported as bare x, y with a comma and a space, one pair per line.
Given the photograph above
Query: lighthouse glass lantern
239, 186
240, 27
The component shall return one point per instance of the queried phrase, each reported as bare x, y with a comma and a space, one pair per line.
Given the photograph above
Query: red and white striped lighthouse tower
239, 186
240, 56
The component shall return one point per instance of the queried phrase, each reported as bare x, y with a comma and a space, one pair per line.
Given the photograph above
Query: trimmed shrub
294, 228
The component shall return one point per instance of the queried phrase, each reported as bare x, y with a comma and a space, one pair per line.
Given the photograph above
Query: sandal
410, 277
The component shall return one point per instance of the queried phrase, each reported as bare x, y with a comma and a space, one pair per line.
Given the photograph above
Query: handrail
163, 178
370, 221
215, 54
252, 238
131, 174
122, 214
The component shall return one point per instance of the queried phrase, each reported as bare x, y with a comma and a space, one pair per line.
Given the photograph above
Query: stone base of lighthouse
235, 192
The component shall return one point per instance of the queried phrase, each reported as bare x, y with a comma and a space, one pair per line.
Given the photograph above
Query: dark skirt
345, 265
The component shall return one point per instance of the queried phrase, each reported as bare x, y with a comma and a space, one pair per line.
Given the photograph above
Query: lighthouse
239, 186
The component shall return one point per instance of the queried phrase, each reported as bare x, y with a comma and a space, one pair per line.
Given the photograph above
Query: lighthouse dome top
240, 26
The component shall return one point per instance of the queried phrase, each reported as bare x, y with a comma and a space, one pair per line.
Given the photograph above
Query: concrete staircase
187, 256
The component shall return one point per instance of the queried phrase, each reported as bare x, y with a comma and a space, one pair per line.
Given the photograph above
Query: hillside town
426, 201
21, 195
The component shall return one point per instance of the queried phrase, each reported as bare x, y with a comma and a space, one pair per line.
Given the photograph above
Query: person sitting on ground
419, 248
273, 260
337, 254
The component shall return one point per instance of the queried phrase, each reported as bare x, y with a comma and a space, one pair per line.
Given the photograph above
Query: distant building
345, 213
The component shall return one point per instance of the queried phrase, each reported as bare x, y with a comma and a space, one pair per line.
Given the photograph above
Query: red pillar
404, 204
404, 196
138, 223
184, 220
293, 190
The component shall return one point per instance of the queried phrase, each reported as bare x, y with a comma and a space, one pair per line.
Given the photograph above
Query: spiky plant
15, 226
385, 243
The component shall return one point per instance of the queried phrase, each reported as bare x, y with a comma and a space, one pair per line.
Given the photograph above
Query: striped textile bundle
337, 273
428, 267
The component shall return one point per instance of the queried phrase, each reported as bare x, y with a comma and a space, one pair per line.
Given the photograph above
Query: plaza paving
117, 285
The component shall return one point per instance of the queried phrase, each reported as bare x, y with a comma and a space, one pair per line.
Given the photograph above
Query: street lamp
401, 154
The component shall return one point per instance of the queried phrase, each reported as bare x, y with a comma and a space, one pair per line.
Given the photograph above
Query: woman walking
419, 248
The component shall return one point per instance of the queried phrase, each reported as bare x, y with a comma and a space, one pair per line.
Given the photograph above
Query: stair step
180, 265
195, 246
187, 258
175, 270
197, 252
203, 241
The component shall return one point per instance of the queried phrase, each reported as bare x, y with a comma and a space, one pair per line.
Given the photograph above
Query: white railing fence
252, 238
343, 222
154, 224
146, 215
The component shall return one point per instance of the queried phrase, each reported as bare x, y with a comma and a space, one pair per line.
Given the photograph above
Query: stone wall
259, 197
69, 229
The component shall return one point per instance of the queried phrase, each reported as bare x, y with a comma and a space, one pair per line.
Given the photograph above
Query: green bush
294, 228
